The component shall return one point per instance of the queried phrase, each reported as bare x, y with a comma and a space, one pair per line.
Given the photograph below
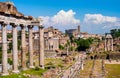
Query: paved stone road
72, 71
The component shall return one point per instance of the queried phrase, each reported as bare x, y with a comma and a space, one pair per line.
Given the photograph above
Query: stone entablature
8, 9
9, 14
16, 21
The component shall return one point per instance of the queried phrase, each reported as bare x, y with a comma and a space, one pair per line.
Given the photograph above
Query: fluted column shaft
15, 49
23, 44
30, 47
4, 50
41, 47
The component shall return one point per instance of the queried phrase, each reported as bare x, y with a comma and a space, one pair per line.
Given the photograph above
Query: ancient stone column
105, 45
15, 49
30, 46
108, 45
82, 63
112, 44
41, 47
4, 50
23, 46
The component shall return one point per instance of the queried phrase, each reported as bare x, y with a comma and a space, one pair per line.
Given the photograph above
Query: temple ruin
108, 42
11, 17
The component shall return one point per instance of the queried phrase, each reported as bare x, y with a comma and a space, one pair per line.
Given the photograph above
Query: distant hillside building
52, 39
73, 32
86, 35
52, 36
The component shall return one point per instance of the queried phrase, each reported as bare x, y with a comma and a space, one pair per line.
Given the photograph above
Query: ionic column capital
41, 26
30, 26
3, 24
13, 24
22, 26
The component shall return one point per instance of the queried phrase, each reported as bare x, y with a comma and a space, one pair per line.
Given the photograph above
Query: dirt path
87, 69
92, 69
97, 70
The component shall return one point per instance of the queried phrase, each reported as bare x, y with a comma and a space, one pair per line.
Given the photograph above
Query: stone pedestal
15, 50
30, 46
41, 47
4, 51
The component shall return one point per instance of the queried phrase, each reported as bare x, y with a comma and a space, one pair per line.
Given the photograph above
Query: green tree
115, 33
61, 47
83, 44
9, 35
19, 40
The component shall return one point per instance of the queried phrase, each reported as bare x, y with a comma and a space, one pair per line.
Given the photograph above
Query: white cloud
62, 18
45, 20
99, 19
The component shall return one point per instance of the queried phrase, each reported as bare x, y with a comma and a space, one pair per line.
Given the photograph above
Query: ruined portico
11, 17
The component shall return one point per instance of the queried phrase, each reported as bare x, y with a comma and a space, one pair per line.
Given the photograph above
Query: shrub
10, 61
37, 68
60, 65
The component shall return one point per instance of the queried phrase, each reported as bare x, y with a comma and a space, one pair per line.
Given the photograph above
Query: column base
4, 74
42, 67
24, 69
31, 66
15, 71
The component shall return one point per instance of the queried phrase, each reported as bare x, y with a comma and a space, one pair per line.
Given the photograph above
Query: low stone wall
112, 61
113, 55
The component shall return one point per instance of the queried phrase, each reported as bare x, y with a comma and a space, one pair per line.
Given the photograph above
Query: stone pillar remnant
30, 46
4, 50
108, 42
15, 49
23, 47
41, 47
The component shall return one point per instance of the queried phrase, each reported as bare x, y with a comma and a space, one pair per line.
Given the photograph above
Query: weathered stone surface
9, 8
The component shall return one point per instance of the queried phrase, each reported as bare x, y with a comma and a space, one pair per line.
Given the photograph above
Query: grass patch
54, 61
113, 70
34, 72
14, 76
57, 62
38, 72
87, 69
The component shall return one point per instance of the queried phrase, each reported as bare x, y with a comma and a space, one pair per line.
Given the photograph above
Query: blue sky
94, 16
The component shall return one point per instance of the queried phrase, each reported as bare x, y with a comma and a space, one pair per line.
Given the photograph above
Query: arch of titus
108, 42
10, 16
